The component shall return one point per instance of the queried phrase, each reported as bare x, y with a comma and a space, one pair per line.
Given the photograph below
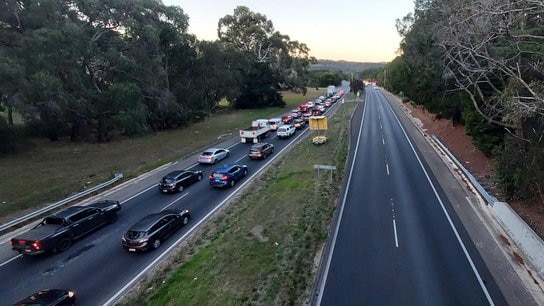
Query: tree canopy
480, 62
91, 69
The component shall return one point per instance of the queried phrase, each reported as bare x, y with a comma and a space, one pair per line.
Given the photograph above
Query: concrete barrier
525, 238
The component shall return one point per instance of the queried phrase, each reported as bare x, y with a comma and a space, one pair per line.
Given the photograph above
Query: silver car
213, 155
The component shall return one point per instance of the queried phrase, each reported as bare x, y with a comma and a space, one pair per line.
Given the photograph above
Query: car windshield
168, 180
254, 149
207, 153
135, 235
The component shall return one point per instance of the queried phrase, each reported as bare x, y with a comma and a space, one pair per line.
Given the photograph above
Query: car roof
213, 149
146, 222
227, 167
260, 144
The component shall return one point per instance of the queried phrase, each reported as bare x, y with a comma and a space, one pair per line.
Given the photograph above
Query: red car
303, 108
287, 119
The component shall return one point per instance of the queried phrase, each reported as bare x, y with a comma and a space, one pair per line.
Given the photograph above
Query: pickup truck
286, 131
258, 130
57, 232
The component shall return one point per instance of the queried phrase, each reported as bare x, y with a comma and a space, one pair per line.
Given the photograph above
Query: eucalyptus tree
287, 61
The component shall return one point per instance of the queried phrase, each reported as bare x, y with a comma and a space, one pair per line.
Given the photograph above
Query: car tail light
211, 176
37, 245
225, 177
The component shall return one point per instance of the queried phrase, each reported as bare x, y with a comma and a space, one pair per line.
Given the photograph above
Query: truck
57, 232
286, 131
331, 90
258, 130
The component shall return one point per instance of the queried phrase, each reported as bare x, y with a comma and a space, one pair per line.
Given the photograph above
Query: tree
253, 34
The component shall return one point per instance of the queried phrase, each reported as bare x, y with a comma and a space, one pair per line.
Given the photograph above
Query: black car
151, 230
179, 180
58, 231
260, 150
50, 297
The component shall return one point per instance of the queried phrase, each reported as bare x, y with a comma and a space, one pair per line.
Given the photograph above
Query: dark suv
227, 175
179, 180
149, 232
260, 150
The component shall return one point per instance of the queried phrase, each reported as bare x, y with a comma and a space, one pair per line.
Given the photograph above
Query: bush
13, 139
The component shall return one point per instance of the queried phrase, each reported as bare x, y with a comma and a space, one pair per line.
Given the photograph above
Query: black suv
260, 150
149, 232
179, 180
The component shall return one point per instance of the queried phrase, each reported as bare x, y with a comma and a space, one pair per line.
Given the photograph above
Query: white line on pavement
396, 237
10, 260
183, 196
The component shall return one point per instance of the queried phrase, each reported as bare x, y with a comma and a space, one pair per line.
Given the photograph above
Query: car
321, 108
303, 108
274, 123
287, 119
260, 150
306, 116
148, 233
310, 104
57, 232
295, 113
286, 131
227, 175
213, 155
49, 297
328, 103
178, 180
299, 123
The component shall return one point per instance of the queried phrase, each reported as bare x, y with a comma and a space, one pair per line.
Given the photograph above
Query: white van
275, 123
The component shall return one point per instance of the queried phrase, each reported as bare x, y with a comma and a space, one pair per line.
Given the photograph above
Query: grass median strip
263, 248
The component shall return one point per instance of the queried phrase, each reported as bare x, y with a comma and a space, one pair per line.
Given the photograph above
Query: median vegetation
264, 247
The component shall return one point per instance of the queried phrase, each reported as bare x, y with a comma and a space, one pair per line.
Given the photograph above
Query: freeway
398, 240
97, 268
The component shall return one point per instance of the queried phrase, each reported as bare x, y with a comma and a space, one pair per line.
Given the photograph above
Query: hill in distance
344, 66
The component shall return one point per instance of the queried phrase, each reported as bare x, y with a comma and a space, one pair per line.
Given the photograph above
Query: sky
351, 30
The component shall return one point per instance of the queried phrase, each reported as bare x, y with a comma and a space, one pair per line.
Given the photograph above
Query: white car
213, 155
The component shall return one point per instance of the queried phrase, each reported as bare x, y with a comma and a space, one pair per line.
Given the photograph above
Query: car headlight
71, 293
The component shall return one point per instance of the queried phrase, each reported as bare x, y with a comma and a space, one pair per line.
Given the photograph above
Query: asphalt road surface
97, 268
398, 240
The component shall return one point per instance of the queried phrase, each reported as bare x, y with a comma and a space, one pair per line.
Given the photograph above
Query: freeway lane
97, 267
398, 241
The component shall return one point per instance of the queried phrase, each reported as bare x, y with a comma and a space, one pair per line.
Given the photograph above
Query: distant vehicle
213, 155
295, 113
287, 119
258, 130
153, 229
303, 108
285, 131
310, 104
299, 123
321, 108
322, 98
261, 150
331, 90
328, 103
227, 175
49, 297
274, 123
179, 180
58, 231
306, 116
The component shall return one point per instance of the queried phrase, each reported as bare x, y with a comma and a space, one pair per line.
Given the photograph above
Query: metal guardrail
488, 198
116, 177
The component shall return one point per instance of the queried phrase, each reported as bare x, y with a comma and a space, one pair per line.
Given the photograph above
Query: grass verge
53, 170
263, 248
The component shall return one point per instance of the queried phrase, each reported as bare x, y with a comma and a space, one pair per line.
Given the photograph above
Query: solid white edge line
183, 196
465, 251
329, 259
192, 229
396, 237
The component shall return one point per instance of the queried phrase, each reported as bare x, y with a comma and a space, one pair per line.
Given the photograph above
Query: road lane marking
139, 193
383, 140
387, 167
183, 196
333, 243
454, 229
394, 222
10, 260
396, 237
